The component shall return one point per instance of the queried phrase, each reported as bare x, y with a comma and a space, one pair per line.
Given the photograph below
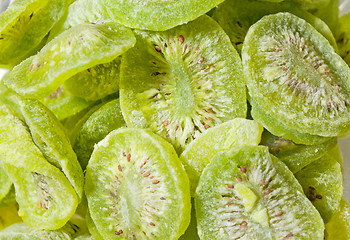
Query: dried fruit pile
188, 119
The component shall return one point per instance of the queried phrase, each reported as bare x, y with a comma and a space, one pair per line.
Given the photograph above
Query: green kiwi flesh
323, 185
136, 187
73, 51
179, 84
46, 198
247, 193
24, 25
295, 156
296, 77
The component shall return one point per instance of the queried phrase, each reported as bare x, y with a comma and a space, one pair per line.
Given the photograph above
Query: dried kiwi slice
73, 51
24, 25
295, 156
338, 228
96, 82
96, 127
157, 15
231, 134
250, 194
20, 231
294, 75
46, 198
136, 187
236, 16
48, 135
179, 84
323, 185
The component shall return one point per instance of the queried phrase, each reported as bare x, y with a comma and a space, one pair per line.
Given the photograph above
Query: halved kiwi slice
295, 156
179, 84
74, 228
294, 75
46, 198
24, 25
73, 51
338, 228
136, 187
99, 123
247, 193
236, 16
322, 182
231, 134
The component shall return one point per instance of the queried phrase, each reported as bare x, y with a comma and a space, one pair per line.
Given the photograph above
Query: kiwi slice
236, 16
338, 228
63, 104
146, 15
9, 216
96, 127
296, 77
231, 134
136, 187
73, 51
343, 37
24, 25
247, 193
49, 136
179, 84
46, 198
295, 156
96, 82
323, 185
74, 228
